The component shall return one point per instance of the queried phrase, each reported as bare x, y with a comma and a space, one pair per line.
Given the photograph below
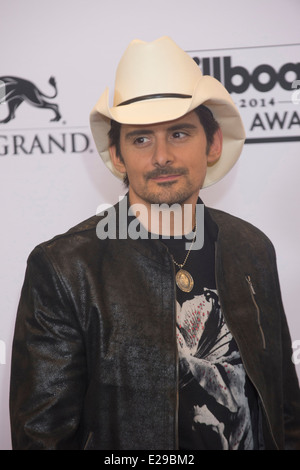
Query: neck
165, 219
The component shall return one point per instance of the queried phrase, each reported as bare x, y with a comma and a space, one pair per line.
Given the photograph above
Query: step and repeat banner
56, 60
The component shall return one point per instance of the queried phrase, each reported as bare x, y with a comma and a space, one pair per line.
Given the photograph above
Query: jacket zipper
247, 372
88, 440
252, 292
176, 434
177, 369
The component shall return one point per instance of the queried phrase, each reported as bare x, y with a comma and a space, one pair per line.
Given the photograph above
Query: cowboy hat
157, 82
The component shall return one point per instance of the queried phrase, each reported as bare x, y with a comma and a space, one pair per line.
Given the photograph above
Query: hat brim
208, 91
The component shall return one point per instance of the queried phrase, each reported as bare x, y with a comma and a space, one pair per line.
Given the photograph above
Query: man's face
165, 162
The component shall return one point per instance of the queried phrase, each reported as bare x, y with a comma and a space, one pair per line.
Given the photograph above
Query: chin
167, 196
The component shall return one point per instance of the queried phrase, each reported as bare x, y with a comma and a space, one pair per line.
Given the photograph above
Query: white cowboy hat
157, 82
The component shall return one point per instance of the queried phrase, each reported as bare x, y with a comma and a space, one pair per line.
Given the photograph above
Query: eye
179, 135
141, 140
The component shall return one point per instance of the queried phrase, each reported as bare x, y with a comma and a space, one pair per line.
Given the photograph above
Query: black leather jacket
94, 360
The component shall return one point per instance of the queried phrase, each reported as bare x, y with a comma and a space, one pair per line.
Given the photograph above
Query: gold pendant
184, 281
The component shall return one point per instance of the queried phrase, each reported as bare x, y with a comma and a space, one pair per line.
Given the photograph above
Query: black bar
266, 140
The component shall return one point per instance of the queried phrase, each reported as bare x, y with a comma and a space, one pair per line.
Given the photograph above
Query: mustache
165, 171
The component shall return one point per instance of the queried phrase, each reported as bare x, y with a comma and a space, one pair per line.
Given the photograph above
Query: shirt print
212, 375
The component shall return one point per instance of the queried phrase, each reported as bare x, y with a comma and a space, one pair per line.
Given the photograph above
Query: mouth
166, 178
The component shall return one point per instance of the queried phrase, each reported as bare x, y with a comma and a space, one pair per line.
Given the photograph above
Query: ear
215, 149
116, 160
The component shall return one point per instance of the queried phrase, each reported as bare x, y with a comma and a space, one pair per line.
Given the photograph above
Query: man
155, 341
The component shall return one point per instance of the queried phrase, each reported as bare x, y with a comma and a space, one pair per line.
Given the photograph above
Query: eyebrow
175, 127
137, 132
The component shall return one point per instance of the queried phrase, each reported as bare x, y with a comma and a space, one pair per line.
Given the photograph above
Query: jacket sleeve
291, 390
290, 382
48, 362
291, 394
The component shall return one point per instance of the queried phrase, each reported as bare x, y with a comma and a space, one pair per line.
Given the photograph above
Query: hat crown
154, 68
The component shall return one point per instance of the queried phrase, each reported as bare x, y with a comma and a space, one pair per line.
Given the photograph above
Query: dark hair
206, 118
208, 122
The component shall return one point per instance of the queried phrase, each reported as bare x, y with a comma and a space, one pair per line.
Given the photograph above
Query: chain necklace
183, 278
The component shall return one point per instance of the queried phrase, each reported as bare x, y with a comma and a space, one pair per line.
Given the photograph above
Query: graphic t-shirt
217, 402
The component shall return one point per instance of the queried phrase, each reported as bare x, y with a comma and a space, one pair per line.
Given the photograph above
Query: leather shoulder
238, 233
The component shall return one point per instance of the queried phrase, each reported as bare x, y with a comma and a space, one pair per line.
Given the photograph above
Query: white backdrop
46, 187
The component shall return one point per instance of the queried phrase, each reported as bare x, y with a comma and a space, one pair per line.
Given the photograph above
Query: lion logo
15, 90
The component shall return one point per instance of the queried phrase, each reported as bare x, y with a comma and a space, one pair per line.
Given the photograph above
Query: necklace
184, 279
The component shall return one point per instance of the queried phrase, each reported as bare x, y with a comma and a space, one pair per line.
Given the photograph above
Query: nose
162, 153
